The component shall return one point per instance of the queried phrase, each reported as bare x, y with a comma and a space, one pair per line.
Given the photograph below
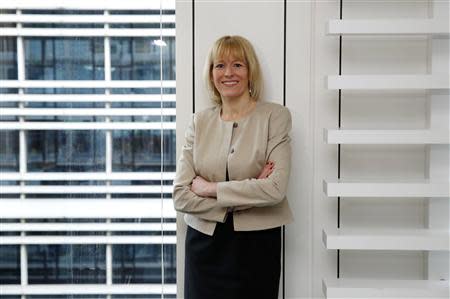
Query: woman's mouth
230, 83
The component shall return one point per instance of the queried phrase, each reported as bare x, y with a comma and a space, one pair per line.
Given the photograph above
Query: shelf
332, 136
372, 188
385, 239
389, 82
365, 288
388, 27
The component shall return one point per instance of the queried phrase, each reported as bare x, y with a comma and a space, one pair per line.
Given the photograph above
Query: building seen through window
87, 150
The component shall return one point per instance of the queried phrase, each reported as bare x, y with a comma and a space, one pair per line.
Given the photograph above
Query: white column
439, 155
161, 49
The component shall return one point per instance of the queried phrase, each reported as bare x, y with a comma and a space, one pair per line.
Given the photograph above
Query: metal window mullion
87, 289
99, 208
59, 125
84, 189
88, 83
84, 227
88, 32
86, 176
85, 19
80, 5
85, 240
108, 149
22, 152
86, 98
162, 157
87, 112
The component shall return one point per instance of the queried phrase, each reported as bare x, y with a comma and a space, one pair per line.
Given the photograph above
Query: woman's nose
228, 71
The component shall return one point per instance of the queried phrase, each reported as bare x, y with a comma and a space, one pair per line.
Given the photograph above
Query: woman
231, 182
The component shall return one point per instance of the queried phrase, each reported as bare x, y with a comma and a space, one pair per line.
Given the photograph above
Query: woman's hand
203, 188
267, 170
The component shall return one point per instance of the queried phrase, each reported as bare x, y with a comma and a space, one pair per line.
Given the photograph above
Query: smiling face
232, 70
230, 77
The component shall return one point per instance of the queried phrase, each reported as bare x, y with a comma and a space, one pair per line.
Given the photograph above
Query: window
87, 149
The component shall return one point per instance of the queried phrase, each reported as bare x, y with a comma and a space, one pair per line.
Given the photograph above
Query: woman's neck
236, 108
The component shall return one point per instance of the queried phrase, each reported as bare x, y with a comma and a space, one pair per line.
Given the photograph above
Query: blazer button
235, 125
232, 150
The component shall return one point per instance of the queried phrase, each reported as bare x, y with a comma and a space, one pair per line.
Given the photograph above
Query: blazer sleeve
184, 199
272, 190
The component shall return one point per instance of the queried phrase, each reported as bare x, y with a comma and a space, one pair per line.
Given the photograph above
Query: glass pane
9, 264
71, 151
9, 151
142, 296
8, 58
169, 255
140, 150
52, 58
135, 58
137, 263
168, 57
170, 263
66, 297
8, 61
66, 264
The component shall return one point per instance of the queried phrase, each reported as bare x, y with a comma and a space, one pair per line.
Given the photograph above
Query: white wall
311, 55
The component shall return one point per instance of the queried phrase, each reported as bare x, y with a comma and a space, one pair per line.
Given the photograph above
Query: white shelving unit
435, 237
385, 239
372, 188
366, 288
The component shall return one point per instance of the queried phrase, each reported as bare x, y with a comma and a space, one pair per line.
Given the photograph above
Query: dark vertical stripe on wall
339, 146
284, 103
193, 56
284, 52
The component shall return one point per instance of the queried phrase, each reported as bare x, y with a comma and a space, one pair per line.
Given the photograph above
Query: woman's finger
266, 171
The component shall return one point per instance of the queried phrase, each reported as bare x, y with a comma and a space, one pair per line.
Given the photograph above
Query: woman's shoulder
272, 108
206, 114
207, 111
278, 116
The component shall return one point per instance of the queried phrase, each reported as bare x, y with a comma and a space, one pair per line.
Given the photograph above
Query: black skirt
232, 264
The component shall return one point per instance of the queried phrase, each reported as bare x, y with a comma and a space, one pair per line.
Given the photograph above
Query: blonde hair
242, 49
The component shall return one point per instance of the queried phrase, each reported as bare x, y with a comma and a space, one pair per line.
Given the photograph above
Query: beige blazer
245, 145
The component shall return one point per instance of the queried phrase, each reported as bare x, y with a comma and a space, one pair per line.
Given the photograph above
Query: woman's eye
238, 65
218, 66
